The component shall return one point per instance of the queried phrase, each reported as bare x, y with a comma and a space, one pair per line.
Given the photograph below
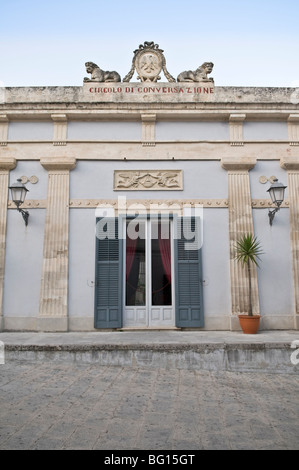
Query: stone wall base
52, 324
296, 322
213, 323
269, 322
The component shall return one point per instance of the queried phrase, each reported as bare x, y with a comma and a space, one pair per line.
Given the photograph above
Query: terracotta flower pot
249, 324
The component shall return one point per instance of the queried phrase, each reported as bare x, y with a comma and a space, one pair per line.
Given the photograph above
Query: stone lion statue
99, 75
198, 75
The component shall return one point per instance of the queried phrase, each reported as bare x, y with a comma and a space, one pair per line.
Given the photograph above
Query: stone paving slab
86, 406
145, 337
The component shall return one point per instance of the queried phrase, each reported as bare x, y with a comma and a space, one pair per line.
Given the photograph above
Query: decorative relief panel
148, 180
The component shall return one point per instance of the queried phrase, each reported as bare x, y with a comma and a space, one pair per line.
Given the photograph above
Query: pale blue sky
252, 43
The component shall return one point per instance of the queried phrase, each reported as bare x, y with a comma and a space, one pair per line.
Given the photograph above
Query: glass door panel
161, 263
135, 269
148, 274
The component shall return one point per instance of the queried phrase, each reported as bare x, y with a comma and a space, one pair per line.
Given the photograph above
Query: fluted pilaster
148, 129
240, 222
6, 164
54, 282
236, 129
291, 164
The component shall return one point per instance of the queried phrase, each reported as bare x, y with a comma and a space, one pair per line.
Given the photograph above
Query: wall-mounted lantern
276, 192
18, 195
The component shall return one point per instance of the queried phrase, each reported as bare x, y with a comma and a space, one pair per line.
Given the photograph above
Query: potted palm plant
248, 250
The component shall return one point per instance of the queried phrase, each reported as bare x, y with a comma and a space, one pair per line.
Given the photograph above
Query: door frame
148, 308
187, 276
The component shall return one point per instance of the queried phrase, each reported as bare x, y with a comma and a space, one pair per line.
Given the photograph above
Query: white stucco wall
30, 130
104, 130
266, 168
265, 130
31, 168
23, 264
82, 262
182, 130
275, 273
215, 266
202, 179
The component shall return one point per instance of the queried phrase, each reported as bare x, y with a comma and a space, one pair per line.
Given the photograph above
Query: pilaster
60, 129
6, 164
54, 282
148, 129
291, 164
240, 222
236, 129
293, 129
3, 130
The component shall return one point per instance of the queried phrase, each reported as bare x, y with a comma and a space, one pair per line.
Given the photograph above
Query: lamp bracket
25, 215
271, 215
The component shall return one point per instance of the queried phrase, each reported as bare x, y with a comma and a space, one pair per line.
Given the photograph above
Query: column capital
237, 117
59, 117
293, 118
238, 164
290, 163
58, 163
148, 117
7, 163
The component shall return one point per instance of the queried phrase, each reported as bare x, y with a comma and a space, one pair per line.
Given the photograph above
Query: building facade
115, 170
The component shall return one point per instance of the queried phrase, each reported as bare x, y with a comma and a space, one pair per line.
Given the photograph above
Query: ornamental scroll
148, 180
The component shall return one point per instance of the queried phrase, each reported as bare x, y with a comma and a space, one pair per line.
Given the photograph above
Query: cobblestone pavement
76, 406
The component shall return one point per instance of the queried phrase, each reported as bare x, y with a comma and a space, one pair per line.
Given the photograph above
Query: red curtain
164, 245
130, 254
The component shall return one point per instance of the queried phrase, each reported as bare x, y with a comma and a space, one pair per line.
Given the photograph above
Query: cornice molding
290, 163
58, 163
7, 163
238, 164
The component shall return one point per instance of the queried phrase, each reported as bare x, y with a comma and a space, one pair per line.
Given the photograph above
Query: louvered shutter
189, 312
108, 285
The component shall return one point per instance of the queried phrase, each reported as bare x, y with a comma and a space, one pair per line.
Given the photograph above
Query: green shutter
189, 311
108, 277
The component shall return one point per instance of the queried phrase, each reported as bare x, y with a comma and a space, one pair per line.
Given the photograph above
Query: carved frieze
148, 180
147, 204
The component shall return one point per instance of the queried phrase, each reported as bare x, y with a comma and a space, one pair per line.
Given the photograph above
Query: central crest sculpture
149, 61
